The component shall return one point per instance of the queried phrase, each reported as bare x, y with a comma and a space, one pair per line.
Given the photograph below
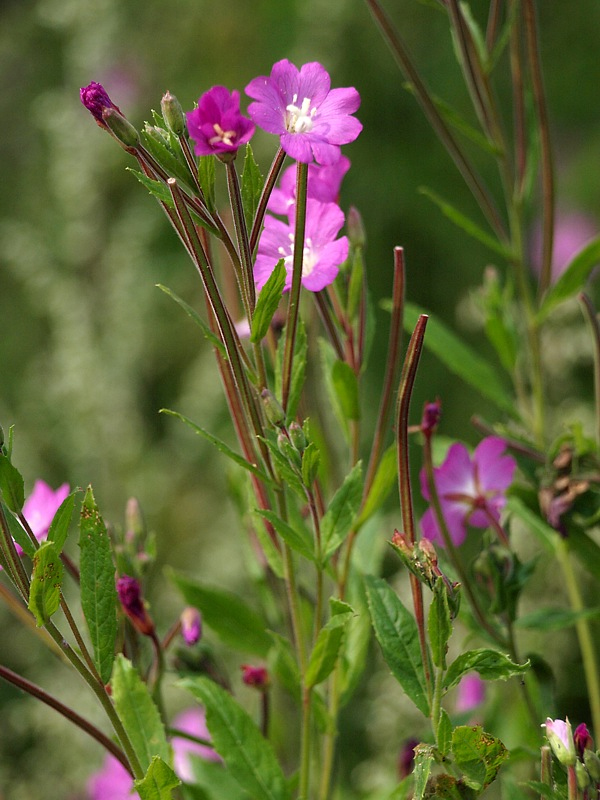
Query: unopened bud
95, 98
583, 776
130, 595
355, 228
121, 128
273, 410
191, 625
406, 758
560, 739
134, 520
297, 436
583, 739
257, 677
432, 413
592, 762
173, 113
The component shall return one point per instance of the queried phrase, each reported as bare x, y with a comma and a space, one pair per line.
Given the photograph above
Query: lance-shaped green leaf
220, 445
156, 188
252, 184
572, 279
478, 754
138, 713
554, 619
398, 636
424, 758
98, 592
490, 664
326, 650
297, 538
18, 532
158, 782
248, 756
383, 483
267, 302
340, 514
461, 359
345, 384
193, 314
227, 615
443, 736
271, 552
176, 167
59, 527
311, 458
46, 581
439, 624
206, 178
11, 485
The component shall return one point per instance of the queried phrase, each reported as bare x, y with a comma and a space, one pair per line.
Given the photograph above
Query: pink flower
471, 693
471, 489
95, 98
560, 739
323, 253
299, 106
41, 506
111, 782
217, 126
323, 185
191, 625
572, 231
191, 721
257, 677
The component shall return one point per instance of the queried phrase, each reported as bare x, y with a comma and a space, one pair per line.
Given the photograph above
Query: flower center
226, 137
300, 118
309, 256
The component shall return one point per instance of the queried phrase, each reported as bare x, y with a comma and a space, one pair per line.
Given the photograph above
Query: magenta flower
323, 253
323, 185
572, 231
111, 782
470, 692
583, 739
471, 489
299, 106
191, 625
257, 677
95, 98
217, 126
132, 602
191, 721
41, 506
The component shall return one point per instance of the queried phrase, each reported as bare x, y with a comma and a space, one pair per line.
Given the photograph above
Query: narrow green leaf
229, 617
206, 178
424, 758
466, 224
572, 279
11, 485
490, 664
158, 782
138, 713
298, 368
383, 483
59, 528
156, 188
286, 472
46, 581
297, 539
98, 593
267, 302
18, 533
439, 624
311, 458
272, 554
340, 514
326, 650
215, 780
356, 643
248, 756
220, 445
554, 619
191, 312
252, 184
397, 634
162, 152
478, 754
461, 359
444, 733
546, 791
345, 384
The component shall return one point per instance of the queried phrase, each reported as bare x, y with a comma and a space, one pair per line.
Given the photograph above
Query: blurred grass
90, 349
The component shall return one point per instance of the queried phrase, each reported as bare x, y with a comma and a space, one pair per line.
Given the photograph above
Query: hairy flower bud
297, 436
121, 128
273, 410
173, 113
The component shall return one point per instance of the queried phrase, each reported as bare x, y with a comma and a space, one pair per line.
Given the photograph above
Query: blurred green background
90, 349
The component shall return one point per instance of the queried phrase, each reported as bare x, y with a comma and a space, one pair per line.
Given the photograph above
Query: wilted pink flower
191, 625
471, 489
299, 106
257, 677
217, 126
130, 596
41, 506
323, 253
430, 418
323, 185
111, 782
560, 739
471, 693
572, 231
193, 722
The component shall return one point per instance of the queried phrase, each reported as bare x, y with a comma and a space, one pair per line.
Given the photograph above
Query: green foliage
252, 184
397, 634
478, 754
158, 782
383, 483
345, 384
46, 581
12, 487
141, 719
298, 538
59, 528
424, 758
572, 279
490, 664
326, 650
439, 624
340, 514
230, 617
193, 314
247, 755
267, 302
97, 579
298, 368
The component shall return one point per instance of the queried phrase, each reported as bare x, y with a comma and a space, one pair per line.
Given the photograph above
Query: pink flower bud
258, 677
130, 595
191, 625
560, 739
583, 739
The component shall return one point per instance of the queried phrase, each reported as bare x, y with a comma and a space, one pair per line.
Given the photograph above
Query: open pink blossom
217, 126
323, 185
41, 506
560, 738
572, 231
111, 782
471, 489
298, 105
323, 253
470, 692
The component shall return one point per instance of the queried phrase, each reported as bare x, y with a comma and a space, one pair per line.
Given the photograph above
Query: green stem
592, 318
436, 702
248, 291
584, 635
294, 300
261, 209
305, 746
